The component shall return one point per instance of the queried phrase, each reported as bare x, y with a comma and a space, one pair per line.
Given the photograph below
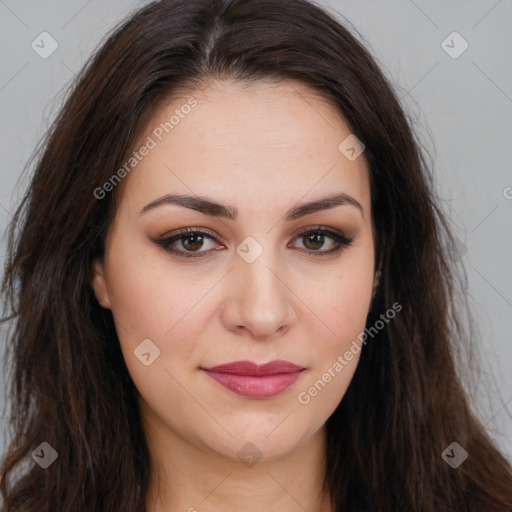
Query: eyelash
342, 241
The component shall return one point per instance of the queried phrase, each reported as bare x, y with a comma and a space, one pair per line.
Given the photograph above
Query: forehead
239, 140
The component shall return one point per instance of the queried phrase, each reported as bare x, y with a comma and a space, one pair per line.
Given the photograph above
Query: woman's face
262, 283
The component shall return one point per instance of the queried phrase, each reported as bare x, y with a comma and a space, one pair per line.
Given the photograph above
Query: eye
193, 239
315, 238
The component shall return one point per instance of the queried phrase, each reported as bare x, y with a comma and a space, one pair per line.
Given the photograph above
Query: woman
231, 283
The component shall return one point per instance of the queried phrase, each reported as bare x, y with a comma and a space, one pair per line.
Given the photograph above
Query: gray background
462, 108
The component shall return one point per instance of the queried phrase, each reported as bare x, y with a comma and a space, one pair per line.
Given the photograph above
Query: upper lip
250, 368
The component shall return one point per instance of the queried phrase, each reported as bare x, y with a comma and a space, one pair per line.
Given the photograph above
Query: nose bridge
257, 268
261, 297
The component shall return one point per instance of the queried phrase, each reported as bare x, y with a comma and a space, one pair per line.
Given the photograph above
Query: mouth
255, 381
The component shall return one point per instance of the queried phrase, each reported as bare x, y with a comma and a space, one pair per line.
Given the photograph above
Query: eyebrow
209, 207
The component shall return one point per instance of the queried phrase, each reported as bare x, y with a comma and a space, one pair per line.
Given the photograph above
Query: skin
262, 148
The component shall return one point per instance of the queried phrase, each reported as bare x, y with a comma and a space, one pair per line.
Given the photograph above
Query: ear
99, 284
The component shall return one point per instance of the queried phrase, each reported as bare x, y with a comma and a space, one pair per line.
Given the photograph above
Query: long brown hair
70, 386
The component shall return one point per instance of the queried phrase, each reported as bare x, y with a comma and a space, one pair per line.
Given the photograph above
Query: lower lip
250, 386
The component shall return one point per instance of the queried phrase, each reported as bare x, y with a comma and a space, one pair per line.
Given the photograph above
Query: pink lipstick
255, 381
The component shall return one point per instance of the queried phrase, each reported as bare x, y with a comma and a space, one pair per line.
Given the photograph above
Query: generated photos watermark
304, 397
151, 142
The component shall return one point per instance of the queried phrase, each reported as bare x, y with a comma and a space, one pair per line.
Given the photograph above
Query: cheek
158, 303
148, 295
341, 307
339, 295
338, 302
160, 326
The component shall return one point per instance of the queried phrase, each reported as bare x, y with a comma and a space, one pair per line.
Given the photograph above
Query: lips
250, 368
255, 381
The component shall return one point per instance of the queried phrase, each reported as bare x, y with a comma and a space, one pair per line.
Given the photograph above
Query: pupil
315, 236
194, 238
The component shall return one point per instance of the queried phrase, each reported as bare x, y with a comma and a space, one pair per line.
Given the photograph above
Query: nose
259, 301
